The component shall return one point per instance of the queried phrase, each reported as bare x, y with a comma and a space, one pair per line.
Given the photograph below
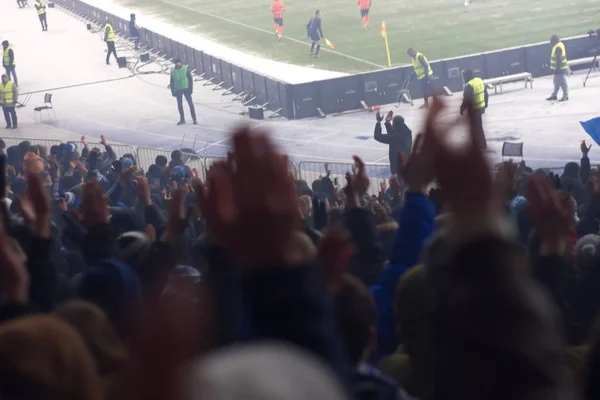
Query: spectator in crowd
398, 137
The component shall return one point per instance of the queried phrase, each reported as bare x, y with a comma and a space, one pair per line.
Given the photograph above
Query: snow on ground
274, 69
139, 110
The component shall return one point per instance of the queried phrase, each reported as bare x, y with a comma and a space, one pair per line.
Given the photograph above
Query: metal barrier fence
208, 161
311, 171
147, 156
345, 93
48, 143
119, 149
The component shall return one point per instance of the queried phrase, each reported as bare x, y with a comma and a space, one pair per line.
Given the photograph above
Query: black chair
47, 106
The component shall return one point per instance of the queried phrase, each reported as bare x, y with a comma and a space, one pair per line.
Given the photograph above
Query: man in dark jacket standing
182, 85
399, 138
134, 31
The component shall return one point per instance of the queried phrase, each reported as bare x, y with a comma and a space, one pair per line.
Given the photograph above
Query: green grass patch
438, 28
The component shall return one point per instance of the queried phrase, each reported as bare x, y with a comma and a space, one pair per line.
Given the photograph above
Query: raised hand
389, 116
143, 191
84, 141
334, 254
417, 172
550, 213
357, 183
395, 186
216, 202
177, 216
95, 205
378, 117
265, 199
382, 190
35, 207
464, 196
584, 149
103, 140
505, 180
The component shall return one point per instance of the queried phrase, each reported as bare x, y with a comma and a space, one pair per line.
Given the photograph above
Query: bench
583, 61
499, 81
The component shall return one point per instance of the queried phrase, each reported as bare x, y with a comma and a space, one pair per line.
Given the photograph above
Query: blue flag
592, 127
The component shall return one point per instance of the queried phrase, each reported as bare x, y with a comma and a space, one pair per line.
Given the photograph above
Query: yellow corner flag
328, 43
387, 44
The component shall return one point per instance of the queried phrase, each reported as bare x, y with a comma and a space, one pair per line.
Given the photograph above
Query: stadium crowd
122, 283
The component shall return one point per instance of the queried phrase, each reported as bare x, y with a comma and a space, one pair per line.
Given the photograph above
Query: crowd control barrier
347, 93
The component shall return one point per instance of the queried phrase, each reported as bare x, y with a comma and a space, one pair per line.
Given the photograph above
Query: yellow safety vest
40, 7
478, 93
111, 32
6, 59
419, 70
561, 64
6, 94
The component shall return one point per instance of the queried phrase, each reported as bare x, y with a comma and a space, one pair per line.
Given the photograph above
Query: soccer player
315, 33
364, 12
277, 8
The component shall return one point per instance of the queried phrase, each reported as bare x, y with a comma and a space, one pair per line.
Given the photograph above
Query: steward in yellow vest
109, 38
559, 67
41, 10
475, 95
423, 72
8, 99
8, 61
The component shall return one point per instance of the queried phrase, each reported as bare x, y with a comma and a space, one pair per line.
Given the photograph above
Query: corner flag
592, 127
387, 44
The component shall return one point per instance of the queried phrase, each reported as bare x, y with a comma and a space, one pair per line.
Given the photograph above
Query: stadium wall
338, 95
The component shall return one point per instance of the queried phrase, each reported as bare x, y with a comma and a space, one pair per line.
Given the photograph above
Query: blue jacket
416, 226
370, 384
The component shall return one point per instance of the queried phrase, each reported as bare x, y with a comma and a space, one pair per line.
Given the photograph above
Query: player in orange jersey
364, 12
277, 8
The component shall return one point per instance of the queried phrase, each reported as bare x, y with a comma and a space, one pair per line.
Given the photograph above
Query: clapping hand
551, 213
250, 202
464, 196
35, 207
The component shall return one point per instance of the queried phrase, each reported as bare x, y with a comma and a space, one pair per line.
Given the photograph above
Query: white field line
270, 33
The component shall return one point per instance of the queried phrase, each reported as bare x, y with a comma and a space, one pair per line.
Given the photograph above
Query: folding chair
47, 106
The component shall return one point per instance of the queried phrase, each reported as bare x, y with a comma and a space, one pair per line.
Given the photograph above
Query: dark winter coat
399, 138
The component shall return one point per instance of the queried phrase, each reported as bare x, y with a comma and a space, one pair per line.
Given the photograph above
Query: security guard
109, 38
8, 61
41, 10
423, 72
559, 66
475, 93
182, 85
8, 99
